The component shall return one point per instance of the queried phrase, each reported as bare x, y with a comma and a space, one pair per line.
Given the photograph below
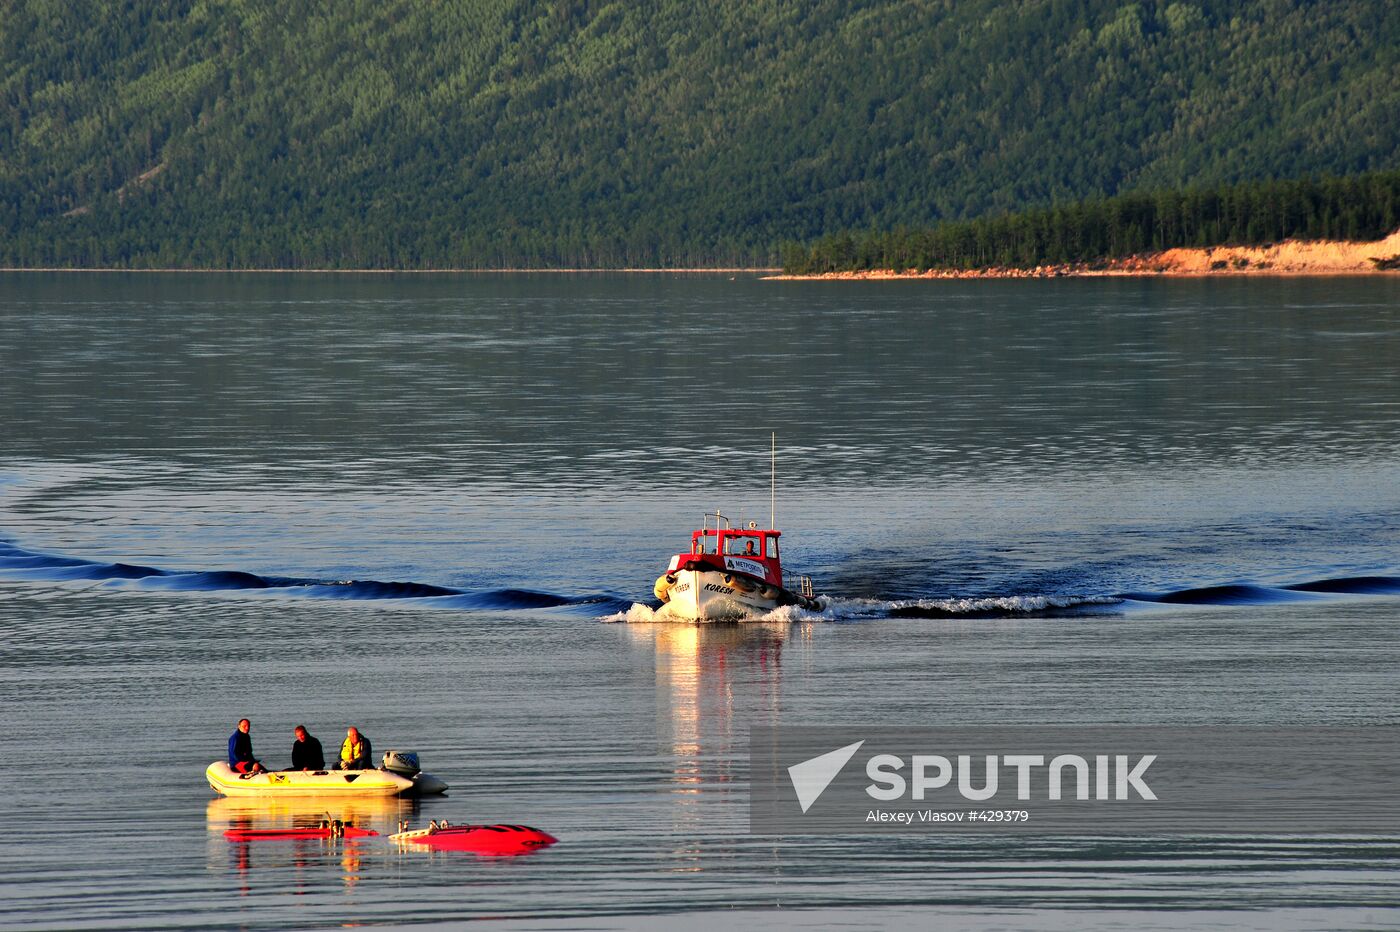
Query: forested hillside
431, 133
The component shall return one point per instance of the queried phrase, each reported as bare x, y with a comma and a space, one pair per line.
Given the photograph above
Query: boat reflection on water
379, 813
714, 681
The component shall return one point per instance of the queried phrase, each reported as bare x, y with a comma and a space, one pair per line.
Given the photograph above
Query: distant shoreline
1289, 258
1071, 271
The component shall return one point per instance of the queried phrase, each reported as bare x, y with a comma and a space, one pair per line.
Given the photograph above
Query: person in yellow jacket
355, 752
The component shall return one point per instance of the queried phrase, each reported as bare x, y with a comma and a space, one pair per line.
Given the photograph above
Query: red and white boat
728, 574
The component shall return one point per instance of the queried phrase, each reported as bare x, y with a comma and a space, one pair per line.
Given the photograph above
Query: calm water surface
434, 507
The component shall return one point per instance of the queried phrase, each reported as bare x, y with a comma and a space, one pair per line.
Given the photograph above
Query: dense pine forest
417, 134
1360, 207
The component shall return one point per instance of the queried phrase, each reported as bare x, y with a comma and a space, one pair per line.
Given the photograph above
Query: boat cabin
750, 550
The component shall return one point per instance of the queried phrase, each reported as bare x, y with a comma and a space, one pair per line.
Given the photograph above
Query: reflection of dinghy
400, 776
480, 839
225, 812
729, 573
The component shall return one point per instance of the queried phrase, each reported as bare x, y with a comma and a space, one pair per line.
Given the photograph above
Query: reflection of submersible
383, 812
254, 814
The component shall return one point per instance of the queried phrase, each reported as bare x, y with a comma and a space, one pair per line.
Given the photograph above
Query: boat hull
710, 595
224, 780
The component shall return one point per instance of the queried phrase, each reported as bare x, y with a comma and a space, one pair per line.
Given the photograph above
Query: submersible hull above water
499, 840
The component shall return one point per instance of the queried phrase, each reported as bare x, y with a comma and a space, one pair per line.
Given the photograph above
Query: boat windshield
705, 543
744, 545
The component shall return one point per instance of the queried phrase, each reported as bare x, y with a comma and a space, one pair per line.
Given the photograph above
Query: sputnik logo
811, 777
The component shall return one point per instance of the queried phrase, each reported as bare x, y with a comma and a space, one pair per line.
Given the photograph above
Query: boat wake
20, 564
17, 563
1247, 594
1008, 606
1055, 606
838, 609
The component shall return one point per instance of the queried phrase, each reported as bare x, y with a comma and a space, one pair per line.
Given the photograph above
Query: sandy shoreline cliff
1291, 257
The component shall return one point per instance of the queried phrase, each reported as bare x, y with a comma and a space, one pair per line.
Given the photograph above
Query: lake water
434, 506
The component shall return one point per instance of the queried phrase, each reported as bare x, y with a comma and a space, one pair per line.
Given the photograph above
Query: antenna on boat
773, 487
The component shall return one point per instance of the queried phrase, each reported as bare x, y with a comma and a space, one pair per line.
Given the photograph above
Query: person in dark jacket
240, 750
306, 751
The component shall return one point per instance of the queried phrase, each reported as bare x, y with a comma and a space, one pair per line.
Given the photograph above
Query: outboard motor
404, 763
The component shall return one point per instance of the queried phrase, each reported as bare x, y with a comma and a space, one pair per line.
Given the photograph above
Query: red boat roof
751, 550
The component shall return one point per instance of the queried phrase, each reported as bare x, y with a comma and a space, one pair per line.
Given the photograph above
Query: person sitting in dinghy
355, 752
306, 751
240, 750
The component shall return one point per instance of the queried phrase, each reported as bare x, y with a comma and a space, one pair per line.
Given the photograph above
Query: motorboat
399, 775
729, 573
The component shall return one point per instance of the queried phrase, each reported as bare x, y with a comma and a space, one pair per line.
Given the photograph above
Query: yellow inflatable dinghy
224, 780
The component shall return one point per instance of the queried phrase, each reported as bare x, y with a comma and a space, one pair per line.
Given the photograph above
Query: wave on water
17, 563
995, 607
641, 613
1252, 594
1053, 606
1352, 585
839, 609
